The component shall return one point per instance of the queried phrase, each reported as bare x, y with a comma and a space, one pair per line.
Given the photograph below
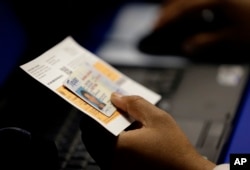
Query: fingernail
117, 95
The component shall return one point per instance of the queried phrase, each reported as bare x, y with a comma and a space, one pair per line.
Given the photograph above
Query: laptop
202, 97
174, 77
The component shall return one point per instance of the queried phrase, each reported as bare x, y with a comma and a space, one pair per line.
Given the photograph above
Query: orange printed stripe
107, 71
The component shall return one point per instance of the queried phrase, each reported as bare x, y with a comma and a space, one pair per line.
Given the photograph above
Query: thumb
135, 106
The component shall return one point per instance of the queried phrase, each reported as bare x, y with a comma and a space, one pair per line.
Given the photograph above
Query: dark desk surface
239, 141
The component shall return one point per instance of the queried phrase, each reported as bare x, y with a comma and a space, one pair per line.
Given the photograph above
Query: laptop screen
238, 141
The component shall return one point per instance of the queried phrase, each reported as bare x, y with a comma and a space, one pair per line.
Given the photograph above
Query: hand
235, 34
156, 142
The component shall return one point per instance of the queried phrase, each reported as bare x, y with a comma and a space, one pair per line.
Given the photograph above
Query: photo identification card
93, 87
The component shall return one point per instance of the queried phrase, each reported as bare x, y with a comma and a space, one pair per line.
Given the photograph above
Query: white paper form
66, 59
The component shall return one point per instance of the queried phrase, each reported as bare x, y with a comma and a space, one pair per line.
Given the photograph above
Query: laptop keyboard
72, 152
163, 81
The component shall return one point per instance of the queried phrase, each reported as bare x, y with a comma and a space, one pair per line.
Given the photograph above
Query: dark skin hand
155, 142
236, 33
